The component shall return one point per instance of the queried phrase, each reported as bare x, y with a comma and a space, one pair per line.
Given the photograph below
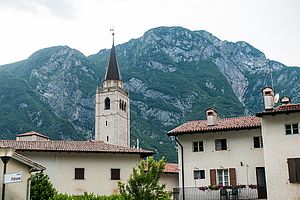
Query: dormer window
107, 104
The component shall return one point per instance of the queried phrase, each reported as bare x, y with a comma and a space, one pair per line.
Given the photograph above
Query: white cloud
28, 25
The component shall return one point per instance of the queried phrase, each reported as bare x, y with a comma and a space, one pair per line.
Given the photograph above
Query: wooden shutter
232, 175
213, 177
79, 173
292, 170
297, 162
115, 174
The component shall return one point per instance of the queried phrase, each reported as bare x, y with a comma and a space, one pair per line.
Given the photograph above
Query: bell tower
112, 116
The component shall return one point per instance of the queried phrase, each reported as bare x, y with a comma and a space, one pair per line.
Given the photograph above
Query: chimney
211, 115
285, 100
268, 98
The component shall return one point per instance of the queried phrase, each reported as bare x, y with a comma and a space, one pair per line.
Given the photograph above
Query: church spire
112, 70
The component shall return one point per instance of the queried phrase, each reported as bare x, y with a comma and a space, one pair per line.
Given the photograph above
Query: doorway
261, 183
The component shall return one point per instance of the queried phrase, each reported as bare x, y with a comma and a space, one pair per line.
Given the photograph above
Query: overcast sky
272, 26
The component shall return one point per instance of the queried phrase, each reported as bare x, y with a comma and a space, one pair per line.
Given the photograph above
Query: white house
280, 131
221, 152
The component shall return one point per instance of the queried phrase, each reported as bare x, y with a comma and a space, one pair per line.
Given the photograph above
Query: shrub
41, 187
143, 183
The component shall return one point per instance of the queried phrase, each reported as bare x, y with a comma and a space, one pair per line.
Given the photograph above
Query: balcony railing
195, 193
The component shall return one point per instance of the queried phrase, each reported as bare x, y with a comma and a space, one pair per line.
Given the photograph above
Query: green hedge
86, 197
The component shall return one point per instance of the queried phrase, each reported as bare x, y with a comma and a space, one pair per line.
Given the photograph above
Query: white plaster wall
15, 191
239, 149
61, 169
171, 181
278, 148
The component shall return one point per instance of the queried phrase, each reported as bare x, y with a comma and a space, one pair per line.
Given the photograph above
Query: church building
97, 165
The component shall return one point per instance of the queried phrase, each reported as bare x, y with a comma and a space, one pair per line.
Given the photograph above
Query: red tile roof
286, 108
171, 168
32, 133
72, 146
200, 126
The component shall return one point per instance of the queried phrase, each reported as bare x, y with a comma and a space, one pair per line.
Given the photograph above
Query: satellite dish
276, 98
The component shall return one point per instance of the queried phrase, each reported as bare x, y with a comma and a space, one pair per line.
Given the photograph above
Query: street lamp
5, 154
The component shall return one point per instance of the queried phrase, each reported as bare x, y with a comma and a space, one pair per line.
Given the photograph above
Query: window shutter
213, 177
115, 174
292, 170
79, 173
232, 175
297, 162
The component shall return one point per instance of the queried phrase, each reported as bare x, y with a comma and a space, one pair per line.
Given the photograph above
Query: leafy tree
41, 187
143, 183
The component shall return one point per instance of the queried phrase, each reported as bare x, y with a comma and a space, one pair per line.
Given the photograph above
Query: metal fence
195, 193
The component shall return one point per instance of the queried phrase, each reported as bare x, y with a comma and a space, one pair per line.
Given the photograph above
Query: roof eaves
176, 133
34, 165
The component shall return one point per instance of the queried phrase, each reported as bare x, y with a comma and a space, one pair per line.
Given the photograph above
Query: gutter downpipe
182, 168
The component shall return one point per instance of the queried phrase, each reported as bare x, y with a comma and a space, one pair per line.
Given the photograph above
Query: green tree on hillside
143, 183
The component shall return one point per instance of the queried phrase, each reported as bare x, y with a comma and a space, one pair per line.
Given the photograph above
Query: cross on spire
112, 70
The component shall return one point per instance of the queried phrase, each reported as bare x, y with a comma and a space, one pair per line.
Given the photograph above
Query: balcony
196, 193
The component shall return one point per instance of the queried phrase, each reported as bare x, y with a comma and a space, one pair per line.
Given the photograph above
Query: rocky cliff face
172, 75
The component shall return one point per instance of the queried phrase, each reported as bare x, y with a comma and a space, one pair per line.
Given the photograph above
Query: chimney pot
211, 115
268, 95
285, 100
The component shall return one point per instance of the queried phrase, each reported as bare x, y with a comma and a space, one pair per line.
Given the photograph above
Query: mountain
172, 75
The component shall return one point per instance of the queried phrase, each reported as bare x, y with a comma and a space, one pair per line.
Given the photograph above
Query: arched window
107, 104
124, 106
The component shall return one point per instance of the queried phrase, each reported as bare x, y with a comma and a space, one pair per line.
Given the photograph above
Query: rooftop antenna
137, 143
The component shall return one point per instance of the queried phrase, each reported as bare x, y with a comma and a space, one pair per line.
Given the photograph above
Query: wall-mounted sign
12, 178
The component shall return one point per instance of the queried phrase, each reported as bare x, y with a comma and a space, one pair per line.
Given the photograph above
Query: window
291, 129
223, 177
122, 105
199, 174
294, 170
115, 174
220, 144
79, 173
107, 104
257, 142
198, 146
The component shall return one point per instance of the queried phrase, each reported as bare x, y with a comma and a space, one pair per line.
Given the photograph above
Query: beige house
220, 152
76, 167
25, 167
170, 176
280, 131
